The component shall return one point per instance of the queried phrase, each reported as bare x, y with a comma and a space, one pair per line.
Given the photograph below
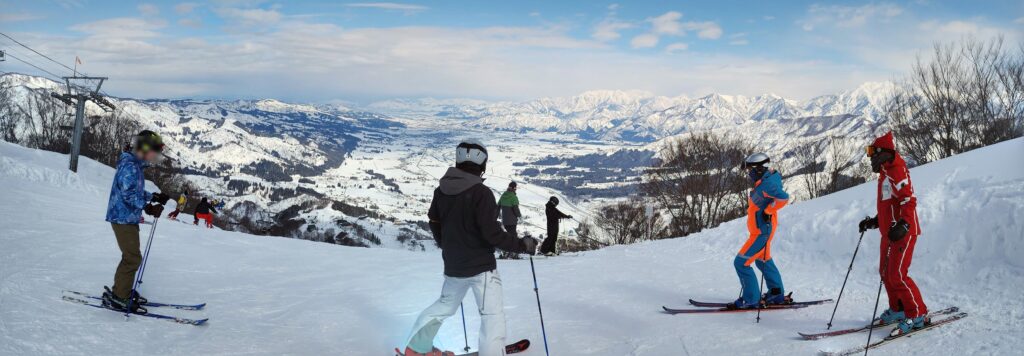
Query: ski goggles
872, 150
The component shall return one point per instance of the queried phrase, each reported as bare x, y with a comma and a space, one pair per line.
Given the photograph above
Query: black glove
898, 230
153, 209
530, 244
160, 198
868, 223
766, 217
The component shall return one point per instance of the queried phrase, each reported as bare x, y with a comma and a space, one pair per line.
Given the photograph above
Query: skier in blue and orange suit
765, 200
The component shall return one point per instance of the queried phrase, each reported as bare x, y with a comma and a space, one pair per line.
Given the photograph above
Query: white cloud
185, 8
646, 40
707, 30
70, 4
609, 28
190, 22
676, 47
1019, 20
768, 17
122, 28
148, 9
613, 7
255, 17
389, 6
848, 16
667, 23
739, 42
18, 16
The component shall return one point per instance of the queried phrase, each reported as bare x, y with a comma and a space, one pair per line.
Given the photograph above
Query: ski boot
434, 352
890, 316
910, 324
775, 297
112, 301
138, 297
740, 304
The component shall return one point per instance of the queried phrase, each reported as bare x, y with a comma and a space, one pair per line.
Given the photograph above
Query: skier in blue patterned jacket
128, 200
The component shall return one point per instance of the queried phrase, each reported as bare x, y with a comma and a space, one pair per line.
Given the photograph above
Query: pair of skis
877, 324
938, 318
95, 302
513, 348
712, 307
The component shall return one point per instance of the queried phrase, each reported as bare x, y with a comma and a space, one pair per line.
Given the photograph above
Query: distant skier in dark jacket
554, 216
204, 211
128, 200
508, 206
463, 224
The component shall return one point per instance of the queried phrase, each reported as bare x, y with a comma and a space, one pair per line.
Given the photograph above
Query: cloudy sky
314, 51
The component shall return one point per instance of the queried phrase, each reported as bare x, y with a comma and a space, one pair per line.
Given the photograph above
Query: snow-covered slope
276, 296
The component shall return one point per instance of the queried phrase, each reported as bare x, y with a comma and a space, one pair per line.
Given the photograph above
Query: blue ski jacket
128, 193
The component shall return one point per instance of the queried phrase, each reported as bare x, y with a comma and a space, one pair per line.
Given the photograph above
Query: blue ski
148, 315
148, 303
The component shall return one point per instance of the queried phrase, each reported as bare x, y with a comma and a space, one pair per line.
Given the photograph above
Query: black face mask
880, 158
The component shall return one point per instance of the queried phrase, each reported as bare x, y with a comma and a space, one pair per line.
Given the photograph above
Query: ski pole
760, 293
848, 269
536, 291
142, 268
465, 334
871, 328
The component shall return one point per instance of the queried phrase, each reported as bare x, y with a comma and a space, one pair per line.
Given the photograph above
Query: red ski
514, 348
727, 310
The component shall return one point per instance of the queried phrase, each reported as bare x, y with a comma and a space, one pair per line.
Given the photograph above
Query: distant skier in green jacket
508, 208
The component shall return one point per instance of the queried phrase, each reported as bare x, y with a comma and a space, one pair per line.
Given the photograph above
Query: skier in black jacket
204, 211
462, 222
554, 215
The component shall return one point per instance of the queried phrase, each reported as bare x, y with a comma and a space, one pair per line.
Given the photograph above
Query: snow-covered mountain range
642, 116
366, 175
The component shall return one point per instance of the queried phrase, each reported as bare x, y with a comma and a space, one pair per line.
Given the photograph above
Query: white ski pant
487, 290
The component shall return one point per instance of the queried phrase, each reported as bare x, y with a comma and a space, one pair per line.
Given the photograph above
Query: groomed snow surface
270, 295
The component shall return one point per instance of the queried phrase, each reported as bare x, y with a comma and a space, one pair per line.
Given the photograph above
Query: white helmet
756, 160
471, 151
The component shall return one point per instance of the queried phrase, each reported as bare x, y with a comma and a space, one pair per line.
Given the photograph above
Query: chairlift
3, 57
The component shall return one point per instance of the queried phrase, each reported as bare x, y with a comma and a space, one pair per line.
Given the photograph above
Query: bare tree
969, 94
698, 181
630, 221
811, 165
51, 119
105, 136
9, 115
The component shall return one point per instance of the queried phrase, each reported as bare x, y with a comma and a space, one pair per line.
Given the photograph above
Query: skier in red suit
897, 217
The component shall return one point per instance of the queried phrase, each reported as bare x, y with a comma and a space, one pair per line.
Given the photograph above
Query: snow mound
275, 296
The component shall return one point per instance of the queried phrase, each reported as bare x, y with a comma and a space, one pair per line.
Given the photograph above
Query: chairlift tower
81, 89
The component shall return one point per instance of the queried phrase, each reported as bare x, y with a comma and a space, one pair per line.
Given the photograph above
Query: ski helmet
471, 151
148, 141
553, 200
756, 160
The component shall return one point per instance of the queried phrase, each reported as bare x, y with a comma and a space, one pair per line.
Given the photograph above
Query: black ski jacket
462, 222
204, 207
554, 215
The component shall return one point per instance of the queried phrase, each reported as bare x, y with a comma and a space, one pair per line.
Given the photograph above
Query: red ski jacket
896, 198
